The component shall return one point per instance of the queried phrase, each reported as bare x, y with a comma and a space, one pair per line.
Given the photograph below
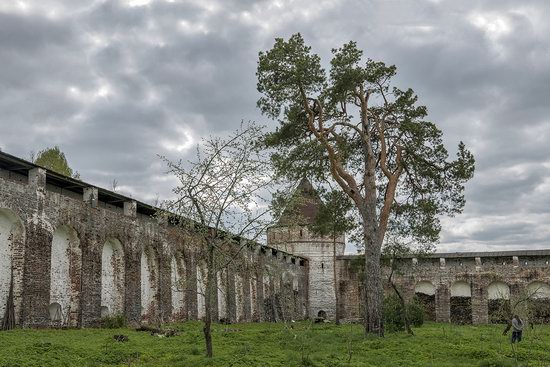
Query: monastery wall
461, 288
77, 253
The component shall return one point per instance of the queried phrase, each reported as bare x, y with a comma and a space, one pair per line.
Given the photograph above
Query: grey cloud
148, 77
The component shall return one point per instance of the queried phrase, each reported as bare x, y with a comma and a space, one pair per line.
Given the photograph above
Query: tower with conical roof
292, 234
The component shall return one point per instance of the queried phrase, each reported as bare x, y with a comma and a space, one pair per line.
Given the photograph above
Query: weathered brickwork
321, 253
76, 252
456, 287
459, 287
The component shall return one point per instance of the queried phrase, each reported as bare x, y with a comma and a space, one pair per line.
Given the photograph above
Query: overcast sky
114, 83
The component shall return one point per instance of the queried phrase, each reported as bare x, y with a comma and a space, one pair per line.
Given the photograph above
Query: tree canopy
350, 122
54, 159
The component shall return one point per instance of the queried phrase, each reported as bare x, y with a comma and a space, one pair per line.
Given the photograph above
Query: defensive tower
293, 234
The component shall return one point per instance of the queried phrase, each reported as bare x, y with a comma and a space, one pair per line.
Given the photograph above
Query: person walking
517, 329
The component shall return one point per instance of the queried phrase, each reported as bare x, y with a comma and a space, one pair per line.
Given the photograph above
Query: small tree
394, 252
54, 159
221, 197
352, 126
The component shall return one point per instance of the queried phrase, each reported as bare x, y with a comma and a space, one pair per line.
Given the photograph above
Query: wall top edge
450, 255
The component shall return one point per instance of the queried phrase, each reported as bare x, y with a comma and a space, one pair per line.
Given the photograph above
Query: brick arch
424, 292
12, 251
538, 293
112, 277
498, 290
498, 302
425, 287
65, 276
461, 288
461, 302
538, 290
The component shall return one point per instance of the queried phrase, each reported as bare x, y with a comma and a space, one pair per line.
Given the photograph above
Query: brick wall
511, 276
32, 210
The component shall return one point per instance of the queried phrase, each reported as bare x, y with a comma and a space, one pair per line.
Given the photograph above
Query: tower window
300, 233
322, 265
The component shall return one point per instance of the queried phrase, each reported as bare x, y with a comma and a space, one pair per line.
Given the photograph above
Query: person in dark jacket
517, 329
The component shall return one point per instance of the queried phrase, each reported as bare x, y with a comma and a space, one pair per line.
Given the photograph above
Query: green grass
296, 344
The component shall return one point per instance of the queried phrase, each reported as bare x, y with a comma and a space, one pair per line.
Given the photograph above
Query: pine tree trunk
374, 290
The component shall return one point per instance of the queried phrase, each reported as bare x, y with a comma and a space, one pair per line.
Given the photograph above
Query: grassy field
296, 344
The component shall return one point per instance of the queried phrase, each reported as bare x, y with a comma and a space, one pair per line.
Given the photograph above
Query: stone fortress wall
476, 288
73, 253
473, 288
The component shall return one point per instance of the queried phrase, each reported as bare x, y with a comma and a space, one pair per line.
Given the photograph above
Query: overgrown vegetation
113, 322
291, 344
394, 313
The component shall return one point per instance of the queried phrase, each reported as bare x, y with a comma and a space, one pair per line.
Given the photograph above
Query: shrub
113, 322
394, 314
416, 313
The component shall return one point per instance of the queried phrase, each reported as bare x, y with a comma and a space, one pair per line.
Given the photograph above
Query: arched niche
538, 290
425, 287
222, 279
461, 289
239, 298
178, 286
202, 274
65, 273
12, 247
149, 282
425, 294
112, 278
461, 303
539, 296
498, 290
498, 304
56, 312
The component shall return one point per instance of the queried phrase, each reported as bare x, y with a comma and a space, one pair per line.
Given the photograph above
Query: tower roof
303, 207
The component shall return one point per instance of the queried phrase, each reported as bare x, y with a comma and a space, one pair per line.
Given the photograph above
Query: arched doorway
425, 295
12, 246
65, 267
461, 303
112, 278
498, 294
